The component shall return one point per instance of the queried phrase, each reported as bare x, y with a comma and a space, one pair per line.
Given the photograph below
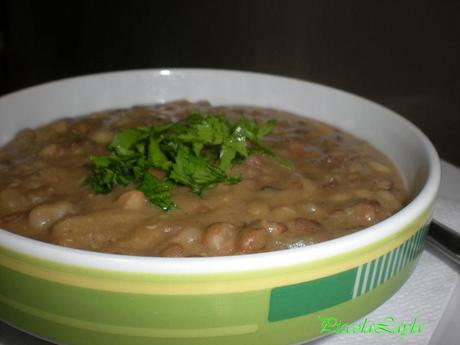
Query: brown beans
389, 200
95, 230
308, 186
270, 189
335, 157
101, 137
60, 126
283, 213
272, 228
220, 238
253, 167
294, 184
304, 226
297, 150
25, 139
359, 214
252, 240
313, 211
51, 151
81, 127
39, 195
258, 208
304, 232
336, 184
44, 216
79, 147
132, 200
379, 167
63, 180
355, 166
363, 193
12, 200
255, 162
139, 240
340, 197
382, 184
189, 236
173, 250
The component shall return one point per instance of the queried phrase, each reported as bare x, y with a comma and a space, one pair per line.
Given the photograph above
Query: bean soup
296, 183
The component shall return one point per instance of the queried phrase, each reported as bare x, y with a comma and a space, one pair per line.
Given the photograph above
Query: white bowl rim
239, 263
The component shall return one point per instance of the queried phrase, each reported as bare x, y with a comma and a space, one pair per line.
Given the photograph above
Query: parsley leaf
156, 157
157, 191
265, 129
124, 141
205, 130
198, 155
237, 143
195, 171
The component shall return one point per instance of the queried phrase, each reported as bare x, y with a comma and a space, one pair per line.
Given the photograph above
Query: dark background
402, 54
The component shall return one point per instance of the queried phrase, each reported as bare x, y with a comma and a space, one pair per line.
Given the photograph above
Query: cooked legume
337, 184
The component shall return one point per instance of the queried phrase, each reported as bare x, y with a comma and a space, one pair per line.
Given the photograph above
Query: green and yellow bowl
71, 296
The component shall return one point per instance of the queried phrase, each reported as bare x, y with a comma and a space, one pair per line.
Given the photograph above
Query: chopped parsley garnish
198, 154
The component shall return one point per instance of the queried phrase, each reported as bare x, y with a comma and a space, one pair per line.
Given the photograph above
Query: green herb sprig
198, 154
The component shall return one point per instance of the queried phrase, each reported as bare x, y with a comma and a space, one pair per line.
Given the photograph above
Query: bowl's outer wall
74, 306
78, 304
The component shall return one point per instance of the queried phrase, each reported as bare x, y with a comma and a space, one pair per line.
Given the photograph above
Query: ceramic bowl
72, 296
